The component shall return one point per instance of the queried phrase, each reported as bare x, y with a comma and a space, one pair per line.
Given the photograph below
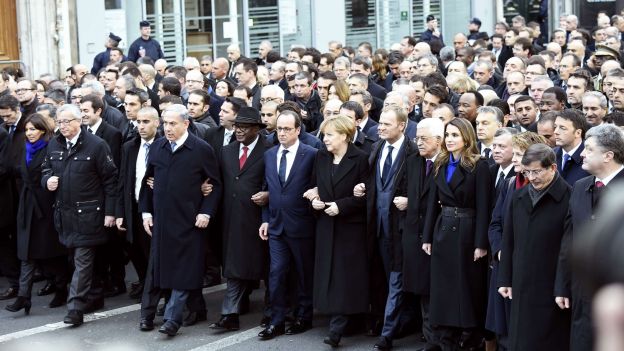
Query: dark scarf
32, 148
536, 195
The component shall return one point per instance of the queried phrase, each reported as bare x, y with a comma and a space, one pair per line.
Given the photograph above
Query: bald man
234, 54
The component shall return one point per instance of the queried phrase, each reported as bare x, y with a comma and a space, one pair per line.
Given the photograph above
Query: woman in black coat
455, 236
341, 269
37, 240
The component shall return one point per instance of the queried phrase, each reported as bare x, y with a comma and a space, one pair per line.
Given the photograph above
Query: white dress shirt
395, 151
141, 167
95, 127
250, 148
227, 136
610, 177
290, 157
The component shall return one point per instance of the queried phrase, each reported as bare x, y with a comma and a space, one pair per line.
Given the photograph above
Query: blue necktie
282, 167
566, 158
173, 146
385, 173
147, 148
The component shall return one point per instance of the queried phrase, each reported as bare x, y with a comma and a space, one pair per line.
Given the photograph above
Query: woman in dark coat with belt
455, 236
341, 269
37, 240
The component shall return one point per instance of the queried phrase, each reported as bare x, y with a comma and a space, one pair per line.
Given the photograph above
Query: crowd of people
422, 188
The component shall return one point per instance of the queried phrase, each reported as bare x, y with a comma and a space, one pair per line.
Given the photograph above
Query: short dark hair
96, 102
141, 94
439, 92
477, 95
237, 103
584, 76
304, 75
170, 99
291, 113
524, 98
9, 102
56, 95
248, 65
355, 107
547, 117
203, 94
615, 117
289, 105
171, 85
316, 56
541, 153
179, 71
435, 78
526, 44
560, 94
329, 58
395, 57
330, 75
501, 104
362, 62
576, 117
244, 88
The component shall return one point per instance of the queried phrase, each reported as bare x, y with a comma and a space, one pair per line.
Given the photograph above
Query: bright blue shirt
451, 167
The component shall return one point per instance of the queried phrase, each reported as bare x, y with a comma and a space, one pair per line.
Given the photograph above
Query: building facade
49, 35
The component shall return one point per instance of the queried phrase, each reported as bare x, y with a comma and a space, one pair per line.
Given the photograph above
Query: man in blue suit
570, 128
288, 225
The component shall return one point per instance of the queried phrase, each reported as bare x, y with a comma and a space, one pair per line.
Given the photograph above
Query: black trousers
9, 263
139, 248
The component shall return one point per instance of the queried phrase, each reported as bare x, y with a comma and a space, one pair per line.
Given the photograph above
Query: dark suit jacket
112, 137
288, 212
368, 129
416, 263
214, 137
582, 211
494, 177
127, 179
8, 205
376, 90
573, 170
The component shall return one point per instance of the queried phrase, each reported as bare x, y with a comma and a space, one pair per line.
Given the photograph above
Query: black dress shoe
20, 302
94, 305
74, 317
271, 331
146, 324
299, 327
194, 317
136, 291
383, 344
115, 290
47, 289
265, 322
8, 294
227, 322
170, 328
333, 340
59, 299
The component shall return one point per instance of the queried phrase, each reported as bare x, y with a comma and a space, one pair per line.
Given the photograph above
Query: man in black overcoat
176, 212
603, 158
134, 155
416, 263
12, 153
529, 255
245, 254
80, 170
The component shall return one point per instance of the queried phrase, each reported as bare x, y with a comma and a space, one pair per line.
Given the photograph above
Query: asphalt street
115, 328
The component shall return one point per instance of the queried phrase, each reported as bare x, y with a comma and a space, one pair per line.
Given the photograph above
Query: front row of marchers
369, 236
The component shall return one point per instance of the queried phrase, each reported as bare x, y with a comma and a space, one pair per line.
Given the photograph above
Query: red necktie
243, 158
599, 184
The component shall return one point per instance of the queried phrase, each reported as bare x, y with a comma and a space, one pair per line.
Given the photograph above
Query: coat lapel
296, 164
255, 155
457, 178
345, 166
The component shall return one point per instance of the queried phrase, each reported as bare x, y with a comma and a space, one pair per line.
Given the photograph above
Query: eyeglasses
19, 91
242, 128
285, 129
532, 172
266, 99
65, 121
76, 97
